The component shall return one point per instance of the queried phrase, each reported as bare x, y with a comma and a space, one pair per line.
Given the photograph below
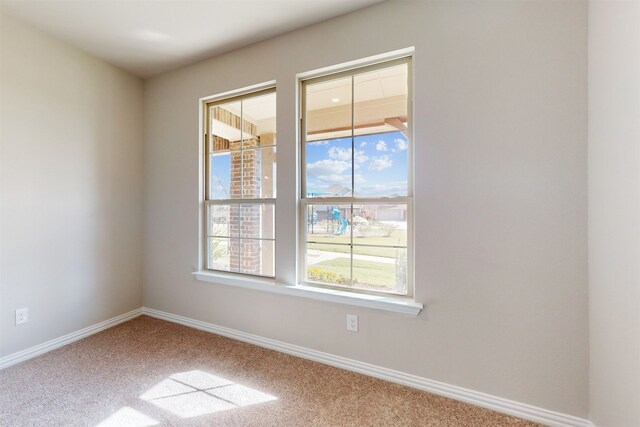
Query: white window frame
205, 201
305, 201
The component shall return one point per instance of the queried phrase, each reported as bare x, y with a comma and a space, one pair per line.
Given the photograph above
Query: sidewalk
315, 256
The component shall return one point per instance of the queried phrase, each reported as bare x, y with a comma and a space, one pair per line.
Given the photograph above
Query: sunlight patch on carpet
194, 393
128, 417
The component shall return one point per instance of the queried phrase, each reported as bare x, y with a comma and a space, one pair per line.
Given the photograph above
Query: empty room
320, 213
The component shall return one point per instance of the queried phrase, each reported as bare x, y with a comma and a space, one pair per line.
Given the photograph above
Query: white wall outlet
352, 322
22, 315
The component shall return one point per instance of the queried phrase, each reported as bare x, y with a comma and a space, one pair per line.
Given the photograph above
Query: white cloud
340, 153
381, 146
344, 154
327, 167
363, 144
394, 187
344, 180
360, 157
326, 180
380, 163
401, 144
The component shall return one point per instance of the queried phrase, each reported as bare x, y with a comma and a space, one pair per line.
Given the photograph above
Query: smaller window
240, 184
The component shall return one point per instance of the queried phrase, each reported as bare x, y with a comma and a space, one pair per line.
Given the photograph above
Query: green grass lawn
397, 238
372, 273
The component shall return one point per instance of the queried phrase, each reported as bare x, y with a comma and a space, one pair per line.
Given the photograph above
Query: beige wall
614, 213
500, 206
71, 191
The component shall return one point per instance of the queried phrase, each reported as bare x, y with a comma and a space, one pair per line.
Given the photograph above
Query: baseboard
510, 407
37, 350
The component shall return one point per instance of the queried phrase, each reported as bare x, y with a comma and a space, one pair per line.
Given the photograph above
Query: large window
357, 179
240, 184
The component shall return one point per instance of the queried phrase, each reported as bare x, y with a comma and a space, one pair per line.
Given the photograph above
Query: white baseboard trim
498, 404
39, 349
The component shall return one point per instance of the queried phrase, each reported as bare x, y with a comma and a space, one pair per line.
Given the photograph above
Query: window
357, 180
240, 184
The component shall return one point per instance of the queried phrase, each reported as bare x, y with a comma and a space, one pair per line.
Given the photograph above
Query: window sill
400, 305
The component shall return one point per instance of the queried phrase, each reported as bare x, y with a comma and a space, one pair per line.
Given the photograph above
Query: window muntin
240, 184
356, 179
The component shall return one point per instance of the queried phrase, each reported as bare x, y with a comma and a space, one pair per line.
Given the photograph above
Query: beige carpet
151, 372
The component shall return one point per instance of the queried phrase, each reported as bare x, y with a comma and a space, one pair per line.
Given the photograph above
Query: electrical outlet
22, 315
352, 322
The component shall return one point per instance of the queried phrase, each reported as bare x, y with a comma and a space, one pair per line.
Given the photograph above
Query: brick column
249, 250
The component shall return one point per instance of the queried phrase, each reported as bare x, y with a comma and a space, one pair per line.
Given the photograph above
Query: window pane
259, 121
250, 171
377, 271
220, 254
379, 246
225, 126
224, 169
381, 165
268, 250
380, 224
328, 250
380, 100
328, 110
329, 168
329, 224
329, 264
268, 157
259, 173
257, 257
257, 221
222, 220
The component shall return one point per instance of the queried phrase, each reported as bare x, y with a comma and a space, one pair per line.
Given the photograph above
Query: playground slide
343, 222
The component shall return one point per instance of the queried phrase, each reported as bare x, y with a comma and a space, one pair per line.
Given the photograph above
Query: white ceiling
147, 37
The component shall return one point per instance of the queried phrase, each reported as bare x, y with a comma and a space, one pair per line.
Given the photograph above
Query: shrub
387, 228
319, 275
363, 229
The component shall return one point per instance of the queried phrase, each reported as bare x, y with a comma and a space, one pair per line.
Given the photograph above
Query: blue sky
380, 165
220, 176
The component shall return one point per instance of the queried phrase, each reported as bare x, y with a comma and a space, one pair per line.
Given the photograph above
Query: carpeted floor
151, 372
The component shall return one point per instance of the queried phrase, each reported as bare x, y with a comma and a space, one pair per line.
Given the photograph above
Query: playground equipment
313, 220
343, 222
